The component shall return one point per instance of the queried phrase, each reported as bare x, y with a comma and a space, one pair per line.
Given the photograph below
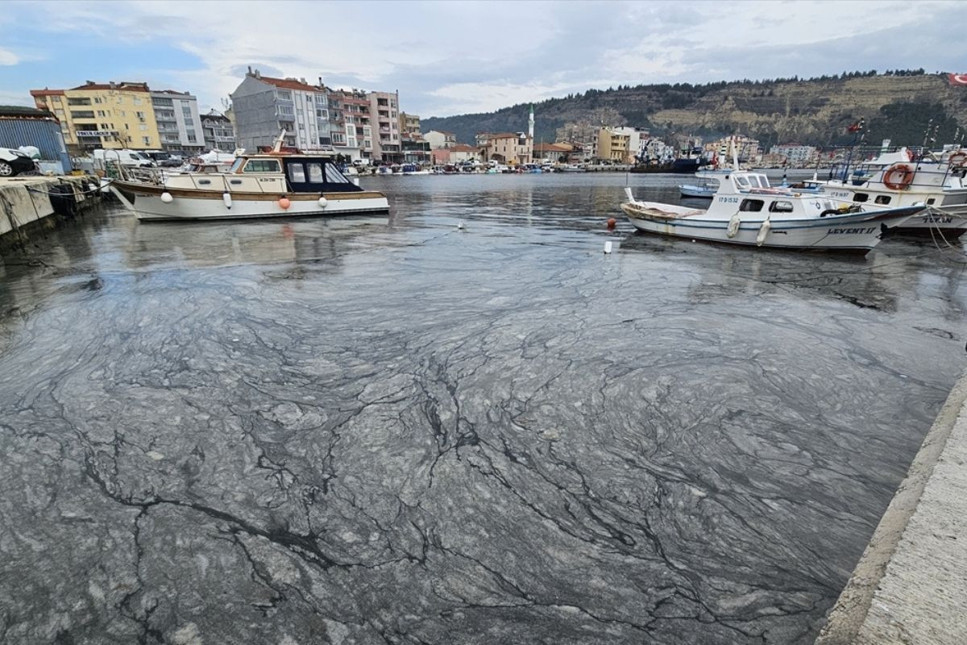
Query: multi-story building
439, 139
795, 154
103, 115
509, 147
410, 126
619, 144
745, 148
352, 132
218, 132
384, 108
179, 125
264, 106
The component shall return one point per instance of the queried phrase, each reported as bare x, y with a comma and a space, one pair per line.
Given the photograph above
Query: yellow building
613, 145
99, 115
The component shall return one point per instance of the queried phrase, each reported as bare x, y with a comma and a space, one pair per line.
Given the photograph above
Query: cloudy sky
456, 57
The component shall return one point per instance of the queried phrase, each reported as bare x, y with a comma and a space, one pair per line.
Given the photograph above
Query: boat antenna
278, 142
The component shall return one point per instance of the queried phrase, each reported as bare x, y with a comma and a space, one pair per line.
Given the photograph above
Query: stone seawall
909, 586
26, 202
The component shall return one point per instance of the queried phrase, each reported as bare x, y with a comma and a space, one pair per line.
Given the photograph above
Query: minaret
530, 123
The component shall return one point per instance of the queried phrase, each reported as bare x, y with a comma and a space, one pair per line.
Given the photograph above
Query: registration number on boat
862, 230
729, 200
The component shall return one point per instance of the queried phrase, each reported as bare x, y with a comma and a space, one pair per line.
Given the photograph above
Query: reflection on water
461, 423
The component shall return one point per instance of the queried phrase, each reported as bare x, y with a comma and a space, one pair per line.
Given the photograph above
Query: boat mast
278, 142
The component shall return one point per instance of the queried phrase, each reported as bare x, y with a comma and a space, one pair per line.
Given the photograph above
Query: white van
129, 158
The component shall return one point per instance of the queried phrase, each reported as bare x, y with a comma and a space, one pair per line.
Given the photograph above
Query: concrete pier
25, 201
909, 585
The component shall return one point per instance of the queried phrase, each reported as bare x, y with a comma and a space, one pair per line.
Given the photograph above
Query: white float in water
607, 247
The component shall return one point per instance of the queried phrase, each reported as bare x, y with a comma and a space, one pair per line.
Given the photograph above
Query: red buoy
611, 222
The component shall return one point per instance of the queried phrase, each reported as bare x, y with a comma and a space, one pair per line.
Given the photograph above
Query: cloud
457, 57
7, 57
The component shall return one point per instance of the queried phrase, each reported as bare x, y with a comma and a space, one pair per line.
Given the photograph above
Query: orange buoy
611, 222
284, 203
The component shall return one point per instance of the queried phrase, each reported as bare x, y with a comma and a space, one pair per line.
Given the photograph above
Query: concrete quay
25, 202
909, 585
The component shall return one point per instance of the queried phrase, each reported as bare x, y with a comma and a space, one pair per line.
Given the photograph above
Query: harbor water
463, 423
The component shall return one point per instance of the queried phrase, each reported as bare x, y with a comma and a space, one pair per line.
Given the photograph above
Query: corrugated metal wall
44, 135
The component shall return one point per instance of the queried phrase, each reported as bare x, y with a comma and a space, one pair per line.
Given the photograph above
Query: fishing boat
694, 191
900, 178
256, 186
747, 210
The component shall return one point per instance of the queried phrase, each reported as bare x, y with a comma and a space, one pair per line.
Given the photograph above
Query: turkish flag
958, 79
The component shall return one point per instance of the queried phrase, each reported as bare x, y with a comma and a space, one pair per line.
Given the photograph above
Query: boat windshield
238, 164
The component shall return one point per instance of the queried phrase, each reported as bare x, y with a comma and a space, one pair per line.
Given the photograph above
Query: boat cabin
270, 173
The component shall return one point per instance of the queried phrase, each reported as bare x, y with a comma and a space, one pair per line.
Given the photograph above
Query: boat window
315, 173
297, 174
930, 201
883, 199
262, 165
751, 205
860, 197
742, 182
333, 176
780, 207
238, 164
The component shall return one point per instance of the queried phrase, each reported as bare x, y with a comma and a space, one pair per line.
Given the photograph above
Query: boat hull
147, 204
856, 232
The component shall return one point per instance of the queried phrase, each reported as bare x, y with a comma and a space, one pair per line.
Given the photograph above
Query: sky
456, 57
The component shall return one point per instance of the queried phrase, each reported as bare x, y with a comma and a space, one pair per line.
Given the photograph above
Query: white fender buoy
763, 232
607, 247
167, 198
628, 192
323, 202
227, 198
733, 228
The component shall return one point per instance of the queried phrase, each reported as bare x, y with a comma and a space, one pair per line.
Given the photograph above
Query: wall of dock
29, 202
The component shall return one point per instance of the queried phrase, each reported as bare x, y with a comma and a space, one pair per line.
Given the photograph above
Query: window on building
262, 165
82, 114
147, 140
143, 127
137, 101
284, 95
297, 174
192, 139
104, 126
97, 99
286, 110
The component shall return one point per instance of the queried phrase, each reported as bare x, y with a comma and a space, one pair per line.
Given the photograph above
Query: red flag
958, 79
856, 127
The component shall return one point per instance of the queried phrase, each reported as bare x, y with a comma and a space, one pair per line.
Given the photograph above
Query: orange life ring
957, 159
898, 176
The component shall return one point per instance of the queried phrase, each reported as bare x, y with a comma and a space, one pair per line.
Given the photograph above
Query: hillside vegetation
895, 105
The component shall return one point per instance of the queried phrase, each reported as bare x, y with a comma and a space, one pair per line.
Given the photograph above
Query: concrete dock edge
892, 597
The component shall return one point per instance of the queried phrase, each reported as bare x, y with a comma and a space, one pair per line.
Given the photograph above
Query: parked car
13, 162
125, 158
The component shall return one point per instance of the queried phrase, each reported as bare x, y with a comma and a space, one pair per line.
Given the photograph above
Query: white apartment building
179, 124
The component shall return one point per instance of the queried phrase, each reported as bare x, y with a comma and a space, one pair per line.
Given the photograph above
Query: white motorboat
694, 191
273, 184
899, 179
747, 210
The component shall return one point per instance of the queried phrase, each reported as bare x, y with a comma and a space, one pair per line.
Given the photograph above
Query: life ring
898, 177
957, 159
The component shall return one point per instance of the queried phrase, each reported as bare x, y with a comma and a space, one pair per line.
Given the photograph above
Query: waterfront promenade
462, 423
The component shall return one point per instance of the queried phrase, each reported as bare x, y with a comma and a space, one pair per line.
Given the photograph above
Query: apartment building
218, 132
439, 139
263, 106
410, 126
179, 124
103, 115
619, 144
352, 132
384, 108
508, 147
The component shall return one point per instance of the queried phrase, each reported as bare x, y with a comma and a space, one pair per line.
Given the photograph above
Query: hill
897, 105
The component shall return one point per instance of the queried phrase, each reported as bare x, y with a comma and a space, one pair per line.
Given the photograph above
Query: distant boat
697, 192
684, 165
